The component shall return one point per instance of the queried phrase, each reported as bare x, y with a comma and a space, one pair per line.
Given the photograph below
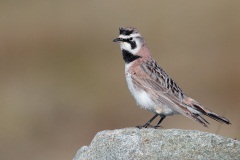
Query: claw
139, 127
156, 127
143, 126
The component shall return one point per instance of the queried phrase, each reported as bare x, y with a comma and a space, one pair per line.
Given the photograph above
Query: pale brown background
62, 78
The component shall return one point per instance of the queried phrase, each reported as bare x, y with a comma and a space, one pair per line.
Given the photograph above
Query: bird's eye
130, 38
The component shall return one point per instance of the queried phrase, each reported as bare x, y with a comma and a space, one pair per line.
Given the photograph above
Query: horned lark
151, 86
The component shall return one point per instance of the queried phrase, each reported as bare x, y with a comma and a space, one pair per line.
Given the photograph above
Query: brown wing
156, 82
156, 79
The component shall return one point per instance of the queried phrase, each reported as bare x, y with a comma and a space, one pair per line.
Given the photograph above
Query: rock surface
159, 144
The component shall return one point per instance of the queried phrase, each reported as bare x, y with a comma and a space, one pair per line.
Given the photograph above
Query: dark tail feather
202, 119
217, 117
210, 114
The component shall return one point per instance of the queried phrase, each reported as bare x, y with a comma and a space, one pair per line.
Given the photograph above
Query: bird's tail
201, 110
217, 117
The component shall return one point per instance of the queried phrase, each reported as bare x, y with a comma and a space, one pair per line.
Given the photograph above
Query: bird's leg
161, 119
148, 123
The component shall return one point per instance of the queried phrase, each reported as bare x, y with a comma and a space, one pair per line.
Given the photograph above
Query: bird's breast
142, 98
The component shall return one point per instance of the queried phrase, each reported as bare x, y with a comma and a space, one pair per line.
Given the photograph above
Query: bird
152, 88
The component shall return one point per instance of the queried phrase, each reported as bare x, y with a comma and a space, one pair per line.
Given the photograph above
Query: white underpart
143, 99
127, 66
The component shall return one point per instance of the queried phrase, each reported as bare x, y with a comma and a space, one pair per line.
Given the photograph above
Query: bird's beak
117, 39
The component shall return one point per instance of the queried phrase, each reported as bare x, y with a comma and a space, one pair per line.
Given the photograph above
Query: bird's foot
143, 126
156, 127
139, 127
148, 126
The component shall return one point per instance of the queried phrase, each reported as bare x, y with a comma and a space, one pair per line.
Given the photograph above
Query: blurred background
62, 78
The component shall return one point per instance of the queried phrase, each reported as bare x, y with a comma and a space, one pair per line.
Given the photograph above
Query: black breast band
128, 56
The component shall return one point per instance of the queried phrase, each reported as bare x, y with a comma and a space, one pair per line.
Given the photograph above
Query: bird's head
129, 39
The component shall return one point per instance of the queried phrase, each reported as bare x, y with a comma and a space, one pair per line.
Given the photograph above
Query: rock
159, 144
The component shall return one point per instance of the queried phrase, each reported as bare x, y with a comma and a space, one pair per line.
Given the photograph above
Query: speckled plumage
151, 86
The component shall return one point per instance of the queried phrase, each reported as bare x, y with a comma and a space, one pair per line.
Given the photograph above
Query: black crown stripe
125, 32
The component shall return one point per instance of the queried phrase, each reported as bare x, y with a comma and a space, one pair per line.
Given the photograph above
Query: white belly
141, 97
144, 100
